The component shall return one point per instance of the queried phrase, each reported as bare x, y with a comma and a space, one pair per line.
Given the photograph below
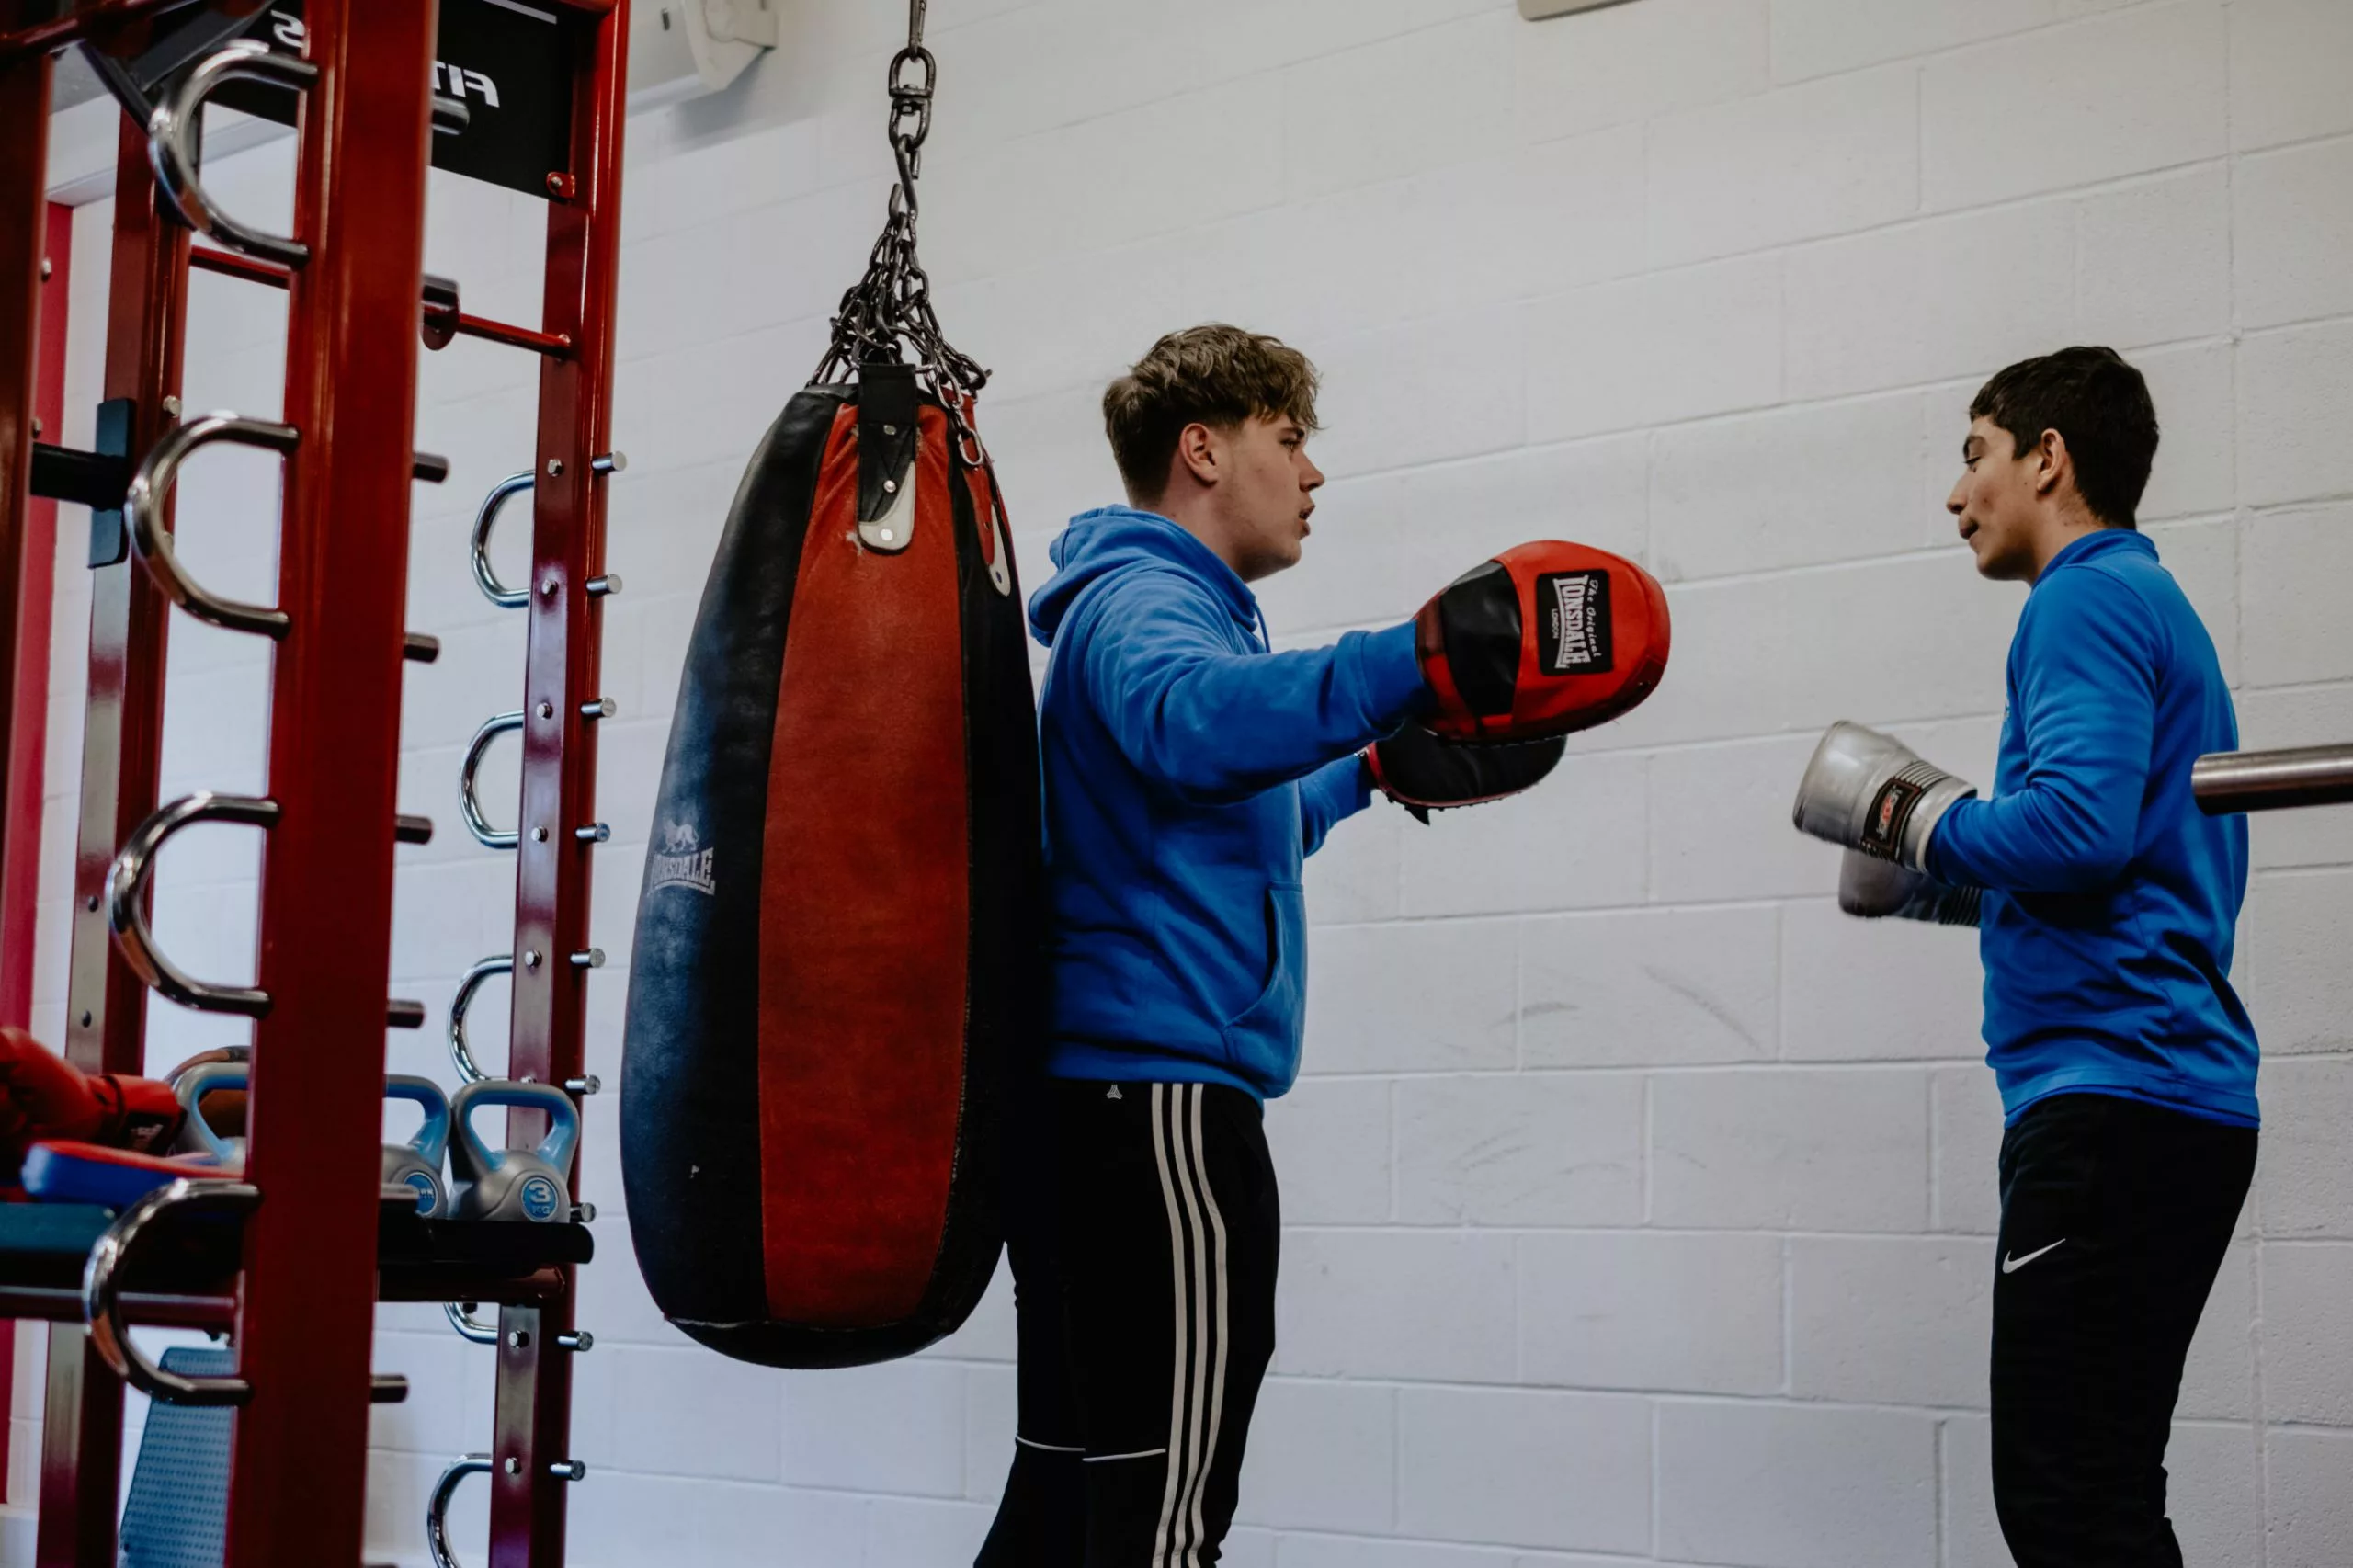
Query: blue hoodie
2111, 900
1188, 772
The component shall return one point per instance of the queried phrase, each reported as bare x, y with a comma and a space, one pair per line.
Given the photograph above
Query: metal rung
126, 896
429, 468
420, 648
2226, 781
101, 1292
142, 509
174, 130
460, 1052
404, 1015
469, 803
437, 1510
409, 829
486, 518
470, 1327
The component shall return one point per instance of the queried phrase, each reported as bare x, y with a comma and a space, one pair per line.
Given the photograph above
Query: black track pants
1144, 1242
2114, 1216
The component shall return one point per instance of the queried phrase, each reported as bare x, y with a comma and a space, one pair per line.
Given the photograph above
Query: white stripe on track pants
1146, 1227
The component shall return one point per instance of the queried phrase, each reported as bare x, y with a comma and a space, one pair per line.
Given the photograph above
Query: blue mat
177, 1513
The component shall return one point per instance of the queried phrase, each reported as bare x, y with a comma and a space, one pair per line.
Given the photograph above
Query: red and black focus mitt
42, 1096
1546, 639
1426, 773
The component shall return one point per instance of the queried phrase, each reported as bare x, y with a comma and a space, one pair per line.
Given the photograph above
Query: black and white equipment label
1890, 811
1573, 622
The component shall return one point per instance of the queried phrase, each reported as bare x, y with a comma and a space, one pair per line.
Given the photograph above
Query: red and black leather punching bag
836, 933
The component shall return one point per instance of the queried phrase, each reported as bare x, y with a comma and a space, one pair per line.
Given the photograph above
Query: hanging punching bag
836, 929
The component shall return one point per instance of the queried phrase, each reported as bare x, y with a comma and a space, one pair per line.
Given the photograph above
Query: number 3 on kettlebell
512, 1183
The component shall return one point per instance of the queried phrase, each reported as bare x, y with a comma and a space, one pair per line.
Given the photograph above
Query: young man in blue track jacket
2108, 904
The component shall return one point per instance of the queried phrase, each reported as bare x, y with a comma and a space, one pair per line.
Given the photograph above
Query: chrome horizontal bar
2226, 781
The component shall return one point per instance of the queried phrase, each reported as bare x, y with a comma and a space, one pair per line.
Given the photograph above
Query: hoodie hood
1110, 539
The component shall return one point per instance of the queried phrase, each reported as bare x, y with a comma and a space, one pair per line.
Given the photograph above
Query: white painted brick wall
1786, 1486
1641, 1205
1524, 1467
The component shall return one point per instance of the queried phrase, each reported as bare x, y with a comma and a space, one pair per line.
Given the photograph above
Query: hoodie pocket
1263, 1039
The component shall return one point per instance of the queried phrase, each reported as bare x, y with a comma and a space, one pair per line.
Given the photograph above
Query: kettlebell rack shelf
188, 1279
290, 1257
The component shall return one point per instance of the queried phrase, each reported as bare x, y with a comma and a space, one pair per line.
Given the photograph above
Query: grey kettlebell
415, 1164
512, 1183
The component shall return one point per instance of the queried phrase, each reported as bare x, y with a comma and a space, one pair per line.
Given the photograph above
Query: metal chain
890, 305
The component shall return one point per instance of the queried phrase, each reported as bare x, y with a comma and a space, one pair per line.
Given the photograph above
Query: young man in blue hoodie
2108, 904
1188, 771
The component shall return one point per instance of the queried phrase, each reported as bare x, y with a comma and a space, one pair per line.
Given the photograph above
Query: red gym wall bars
313, 1259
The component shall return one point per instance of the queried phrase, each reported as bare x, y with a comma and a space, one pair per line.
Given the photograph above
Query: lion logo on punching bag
683, 863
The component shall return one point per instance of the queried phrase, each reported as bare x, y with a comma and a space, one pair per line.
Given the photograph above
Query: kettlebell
192, 1082
189, 1142
512, 1183
416, 1164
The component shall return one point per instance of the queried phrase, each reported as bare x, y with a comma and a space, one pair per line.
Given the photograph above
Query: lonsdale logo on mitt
1546, 639
1576, 621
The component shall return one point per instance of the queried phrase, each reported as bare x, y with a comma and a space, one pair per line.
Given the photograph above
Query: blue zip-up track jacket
2112, 899
1188, 772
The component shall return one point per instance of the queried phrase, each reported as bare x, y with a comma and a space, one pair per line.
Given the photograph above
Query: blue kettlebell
512, 1183
197, 1136
415, 1164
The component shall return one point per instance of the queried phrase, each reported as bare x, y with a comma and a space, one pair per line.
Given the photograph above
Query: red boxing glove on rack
43, 1095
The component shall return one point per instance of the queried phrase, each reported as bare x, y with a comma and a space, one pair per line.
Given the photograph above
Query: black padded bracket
87, 479
109, 540
888, 434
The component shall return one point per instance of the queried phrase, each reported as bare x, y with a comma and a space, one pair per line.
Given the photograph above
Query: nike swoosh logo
2012, 1265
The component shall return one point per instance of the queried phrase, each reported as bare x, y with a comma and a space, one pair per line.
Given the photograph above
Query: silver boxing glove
1871, 792
1874, 889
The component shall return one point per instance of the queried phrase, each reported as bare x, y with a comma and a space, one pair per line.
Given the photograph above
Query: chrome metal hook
460, 1052
102, 1301
469, 1328
142, 508
126, 888
485, 579
469, 803
172, 132
436, 1511
506, 490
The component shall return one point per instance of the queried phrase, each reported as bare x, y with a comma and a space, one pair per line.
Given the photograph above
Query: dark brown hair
2101, 407
1212, 374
